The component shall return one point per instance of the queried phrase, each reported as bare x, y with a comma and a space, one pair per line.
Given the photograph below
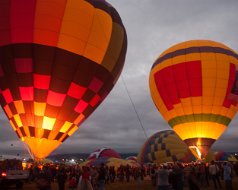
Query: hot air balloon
105, 153
193, 85
164, 146
58, 61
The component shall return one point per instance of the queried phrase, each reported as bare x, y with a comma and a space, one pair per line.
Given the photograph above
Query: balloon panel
58, 61
191, 85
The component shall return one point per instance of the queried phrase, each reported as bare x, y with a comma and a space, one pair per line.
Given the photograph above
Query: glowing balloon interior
193, 86
58, 61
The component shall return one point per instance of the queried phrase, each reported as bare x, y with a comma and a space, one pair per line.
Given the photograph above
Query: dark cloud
152, 26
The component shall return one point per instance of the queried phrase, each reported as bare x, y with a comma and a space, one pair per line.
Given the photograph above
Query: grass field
145, 185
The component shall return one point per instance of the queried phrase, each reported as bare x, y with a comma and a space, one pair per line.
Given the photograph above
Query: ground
145, 185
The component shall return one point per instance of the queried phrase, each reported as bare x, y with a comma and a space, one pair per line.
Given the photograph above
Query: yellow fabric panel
39, 132
209, 85
233, 60
222, 83
216, 109
188, 110
179, 109
75, 32
208, 91
196, 101
39, 108
66, 127
207, 100
114, 48
173, 113
210, 57
186, 101
197, 109
36, 145
18, 120
19, 106
220, 92
235, 108
230, 113
192, 57
223, 111
209, 66
48, 123
72, 130
99, 36
218, 101
222, 58
152, 148
150, 157
161, 154
206, 109
178, 59
199, 129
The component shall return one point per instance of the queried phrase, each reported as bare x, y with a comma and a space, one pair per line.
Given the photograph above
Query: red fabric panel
26, 93
81, 106
55, 99
95, 100
7, 96
23, 65
4, 22
95, 85
41, 81
22, 21
227, 101
1, 71
160, 84
179, 81
76, 91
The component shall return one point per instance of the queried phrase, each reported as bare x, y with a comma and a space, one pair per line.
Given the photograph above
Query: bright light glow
48, 123
197, 151
4, 174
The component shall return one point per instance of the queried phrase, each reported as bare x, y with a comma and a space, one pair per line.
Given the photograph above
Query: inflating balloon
164, 146
193, 85
58, 61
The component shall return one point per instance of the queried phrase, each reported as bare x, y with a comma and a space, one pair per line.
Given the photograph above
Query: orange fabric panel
41, 148
74, 32
99, 38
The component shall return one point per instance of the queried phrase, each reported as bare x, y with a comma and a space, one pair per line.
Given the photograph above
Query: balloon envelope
58, 61
164, 146
193, 85
104, 153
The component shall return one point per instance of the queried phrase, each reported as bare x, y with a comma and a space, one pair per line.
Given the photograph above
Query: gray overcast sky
152, 27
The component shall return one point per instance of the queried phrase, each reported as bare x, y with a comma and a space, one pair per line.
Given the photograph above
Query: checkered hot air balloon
194, 86
58, 60
164, 146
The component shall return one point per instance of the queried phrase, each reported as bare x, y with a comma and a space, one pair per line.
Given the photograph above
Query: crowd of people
195, 176
167, 176
83, 178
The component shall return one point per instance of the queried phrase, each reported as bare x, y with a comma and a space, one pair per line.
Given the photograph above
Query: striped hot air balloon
58, 60
193, 85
